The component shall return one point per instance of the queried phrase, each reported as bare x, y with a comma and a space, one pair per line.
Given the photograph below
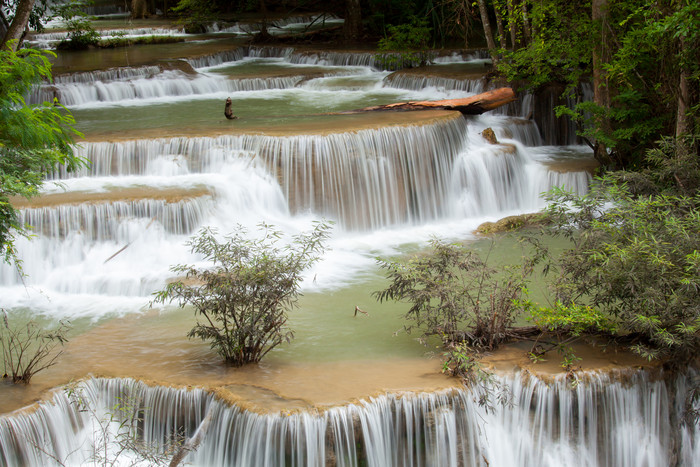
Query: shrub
405, 46
81, 34
456, 295
28, 349
246, 294
635, 258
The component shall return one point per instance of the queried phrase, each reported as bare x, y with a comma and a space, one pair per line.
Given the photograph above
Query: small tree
28, 349
194, 15
246, 294
81, 34
456, 295
406, 45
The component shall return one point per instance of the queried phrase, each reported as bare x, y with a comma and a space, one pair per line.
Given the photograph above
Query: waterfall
218, 58
615, 420
420, 82
166, 84
328, 58
112, 74
366, 179
99, 221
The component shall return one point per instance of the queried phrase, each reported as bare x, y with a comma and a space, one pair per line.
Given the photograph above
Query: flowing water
619, 420
164, 162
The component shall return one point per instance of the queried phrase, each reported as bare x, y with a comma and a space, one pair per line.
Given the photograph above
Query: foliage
405, 45
553, 55
194, 15
671, 167
646, 44
634, 258
37, 16
567, 323
33, 139
245, 296
81, 34
28, 349
572, 319
115, 42
456, 295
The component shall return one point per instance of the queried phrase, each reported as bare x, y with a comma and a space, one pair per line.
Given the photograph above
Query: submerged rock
489, 135
511, 223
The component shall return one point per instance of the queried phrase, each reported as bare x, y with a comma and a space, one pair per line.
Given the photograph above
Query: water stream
164, 162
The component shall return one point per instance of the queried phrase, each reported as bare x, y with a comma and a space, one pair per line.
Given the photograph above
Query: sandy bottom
128, 347
306, 125
594, 356
132, 347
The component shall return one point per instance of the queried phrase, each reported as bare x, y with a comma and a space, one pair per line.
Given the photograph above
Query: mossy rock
511, 223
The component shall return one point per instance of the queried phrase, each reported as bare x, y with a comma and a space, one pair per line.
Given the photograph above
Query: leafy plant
634, 258
194, 15
405, 45
572, 319
28, 349
33, 138
456, 295
246, 294
81, 34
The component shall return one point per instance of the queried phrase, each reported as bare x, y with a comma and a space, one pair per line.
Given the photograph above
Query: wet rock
489, 136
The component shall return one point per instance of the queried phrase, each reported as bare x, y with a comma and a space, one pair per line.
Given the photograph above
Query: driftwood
473, 105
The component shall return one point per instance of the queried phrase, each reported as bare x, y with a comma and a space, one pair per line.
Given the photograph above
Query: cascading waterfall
166, 84
99, 221
408, 81
620, 420
218, 58
112, 74
49, 40
366, 179
109, 254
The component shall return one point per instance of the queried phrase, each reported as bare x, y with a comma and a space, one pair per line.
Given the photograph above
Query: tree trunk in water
487, 30
474, 105
19, 24
601, 92
352, 28
499, 24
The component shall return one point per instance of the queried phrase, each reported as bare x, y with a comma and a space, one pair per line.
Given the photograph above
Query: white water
387, 188
384, 187
624, 420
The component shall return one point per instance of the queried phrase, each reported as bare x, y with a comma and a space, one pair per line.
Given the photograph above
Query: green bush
28, 349
405, 45
34, 139
635, 258
81, 34
243, 299
456, 295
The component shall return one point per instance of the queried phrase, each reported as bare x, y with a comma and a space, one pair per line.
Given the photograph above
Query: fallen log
473, 105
